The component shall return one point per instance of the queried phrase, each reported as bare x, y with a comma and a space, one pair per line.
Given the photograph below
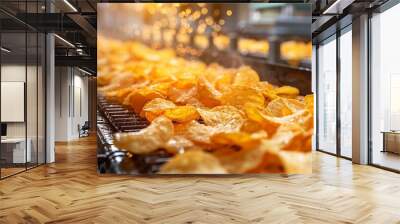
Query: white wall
12, 73
33, 127
71, 93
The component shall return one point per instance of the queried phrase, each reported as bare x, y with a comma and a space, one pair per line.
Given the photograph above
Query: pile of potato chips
212, 119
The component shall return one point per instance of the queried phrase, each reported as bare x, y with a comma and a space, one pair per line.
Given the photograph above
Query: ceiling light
86, 72
5, 50
338, 6
70, 5
65, 41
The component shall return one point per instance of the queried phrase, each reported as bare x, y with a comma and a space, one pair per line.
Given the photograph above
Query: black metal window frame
333, 36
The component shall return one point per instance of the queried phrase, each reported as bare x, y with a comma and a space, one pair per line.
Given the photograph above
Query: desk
391, 141
15, 148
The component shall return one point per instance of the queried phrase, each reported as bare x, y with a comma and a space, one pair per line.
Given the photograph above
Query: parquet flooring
70, 191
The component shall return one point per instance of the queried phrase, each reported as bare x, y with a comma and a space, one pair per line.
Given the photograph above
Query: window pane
41, 98
14, 153
385, 114
346, 94
31, 97
327, 96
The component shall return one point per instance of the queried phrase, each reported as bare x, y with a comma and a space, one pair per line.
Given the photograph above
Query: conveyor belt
113, 118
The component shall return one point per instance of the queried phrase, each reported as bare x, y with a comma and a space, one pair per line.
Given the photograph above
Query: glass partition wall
22, 96
334, 94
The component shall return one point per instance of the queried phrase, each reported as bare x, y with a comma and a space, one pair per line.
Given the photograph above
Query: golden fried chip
303, 118
178, 144
265, 122
182, 93
287, 91
242, 139
278, 108
224, 80
241, 161
251, 126
270, 163
182, 113
227, 118
288, 137
156, 107
296, 162
207, 94
138, 99
275, 160
309, 101
198, 133
147, 140
241, 97
301, 141
193, 162
295, 105
246, 76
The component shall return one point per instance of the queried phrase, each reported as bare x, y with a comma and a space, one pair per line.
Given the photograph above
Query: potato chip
275, 160
224, 80
156, 107
288, 91
207, 94
242, 139
155, 136
240, 161
211, 118
251, 126
193, 162
295, 105
300, 142
139, 98
309, 102
183, 91
296, 162
246, 76
182, 114
241, 96
178, 144
302, 118
198, 133
288, 137
279, 108
225, 118
266, 122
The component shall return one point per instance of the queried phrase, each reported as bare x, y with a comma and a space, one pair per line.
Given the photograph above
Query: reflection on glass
41, 99
346, 94
31, 97
14, 146
385, 84
327, 97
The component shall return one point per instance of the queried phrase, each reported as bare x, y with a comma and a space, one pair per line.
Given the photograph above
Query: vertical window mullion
338, 74
316, 97
26, 88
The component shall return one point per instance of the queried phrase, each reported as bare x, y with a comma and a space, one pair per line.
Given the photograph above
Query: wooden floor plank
70, 191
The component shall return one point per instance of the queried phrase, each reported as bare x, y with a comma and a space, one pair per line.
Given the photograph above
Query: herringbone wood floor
70, 191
